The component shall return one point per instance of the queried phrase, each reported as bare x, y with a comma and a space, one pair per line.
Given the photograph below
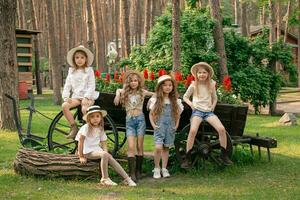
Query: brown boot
138, 170
73, 132
186, 160
224, 157
131, 168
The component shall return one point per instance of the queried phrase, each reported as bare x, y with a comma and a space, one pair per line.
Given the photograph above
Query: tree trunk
125, 23
278, 20
21, 14
56, 71
37, 71
90, 40
298, 57
219, 38
147, 19
31, 162
138, 20
287, 16
176, 35
116, 22
8, 64
244, 19
236, 10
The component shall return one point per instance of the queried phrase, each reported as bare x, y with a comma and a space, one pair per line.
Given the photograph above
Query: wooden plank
24, 54
24, 64
24, 45
23, 36
27, 77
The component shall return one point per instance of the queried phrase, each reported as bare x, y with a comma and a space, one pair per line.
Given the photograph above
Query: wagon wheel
60, 128
206, 147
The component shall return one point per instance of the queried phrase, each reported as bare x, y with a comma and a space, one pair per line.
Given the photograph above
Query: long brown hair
90, 127
83, 53
208, 82
128, 90
173, 96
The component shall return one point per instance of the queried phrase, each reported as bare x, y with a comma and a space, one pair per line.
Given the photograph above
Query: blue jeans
201, 114
135, 125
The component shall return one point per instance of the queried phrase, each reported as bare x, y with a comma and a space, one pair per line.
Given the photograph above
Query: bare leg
217, 124
140, 145
165, 157
103, 163
66, 110
157, 155
85, 104
195, 123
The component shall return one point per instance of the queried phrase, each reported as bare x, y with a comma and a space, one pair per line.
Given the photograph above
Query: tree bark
90, 39
36, 49
147, 19
31, 162
126, 29
244, 19
21, 14
287, 16
176, 35
8, 64
56, 71
219, 38
116, 22
298, 47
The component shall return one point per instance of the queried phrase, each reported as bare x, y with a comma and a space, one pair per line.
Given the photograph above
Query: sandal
107, 182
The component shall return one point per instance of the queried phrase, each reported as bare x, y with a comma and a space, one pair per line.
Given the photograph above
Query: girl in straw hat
165, 109
132, 97
79, 88
203, 90
89, 137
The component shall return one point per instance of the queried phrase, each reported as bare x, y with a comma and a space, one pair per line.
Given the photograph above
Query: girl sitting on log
89, 136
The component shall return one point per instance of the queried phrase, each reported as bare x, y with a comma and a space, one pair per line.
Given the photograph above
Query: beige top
203, 101
134, 104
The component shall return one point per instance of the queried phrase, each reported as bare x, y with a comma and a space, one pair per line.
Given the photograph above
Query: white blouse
92, 140
152, 101
81, 83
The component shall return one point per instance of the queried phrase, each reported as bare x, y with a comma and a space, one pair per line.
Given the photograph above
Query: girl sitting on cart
89, 137
203, 90
132, 97
80, 83
165, 109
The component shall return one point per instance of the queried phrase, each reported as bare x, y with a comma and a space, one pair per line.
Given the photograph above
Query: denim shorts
165, 138
201, 114
135, 125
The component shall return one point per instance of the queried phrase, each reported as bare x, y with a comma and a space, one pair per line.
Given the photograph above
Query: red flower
193, 78
116, 75
152, 77
178, 76
145, 73
97, 73
189, 80
122, 76
161, 72
107, 77
227, 83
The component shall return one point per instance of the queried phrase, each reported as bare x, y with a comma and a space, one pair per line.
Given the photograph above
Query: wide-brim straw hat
163, 78
90, 55
130, 72
197, 66
93, 109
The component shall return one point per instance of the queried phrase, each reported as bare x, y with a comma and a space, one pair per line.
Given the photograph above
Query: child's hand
117, 100
155, 127
83, 160
85, 102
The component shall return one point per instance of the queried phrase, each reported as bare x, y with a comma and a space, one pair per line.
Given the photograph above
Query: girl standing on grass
165, 109
203, 90
89, 137
79, 88
132, 97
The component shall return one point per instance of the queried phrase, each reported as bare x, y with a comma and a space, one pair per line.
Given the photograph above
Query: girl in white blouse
203, 90
89, 137
79, 88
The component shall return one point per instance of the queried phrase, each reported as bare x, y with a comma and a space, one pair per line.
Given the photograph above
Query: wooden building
25, 53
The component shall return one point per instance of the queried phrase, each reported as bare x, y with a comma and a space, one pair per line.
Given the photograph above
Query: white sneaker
129, 182
156, 173
107, 182
165, 173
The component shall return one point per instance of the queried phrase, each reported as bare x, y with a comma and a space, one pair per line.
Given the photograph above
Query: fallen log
44, 164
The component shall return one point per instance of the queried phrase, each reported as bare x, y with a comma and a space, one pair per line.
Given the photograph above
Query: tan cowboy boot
73, 132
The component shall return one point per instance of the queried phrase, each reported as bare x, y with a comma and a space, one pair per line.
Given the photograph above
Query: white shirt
92, 140
203, 100
152, 101
81, 83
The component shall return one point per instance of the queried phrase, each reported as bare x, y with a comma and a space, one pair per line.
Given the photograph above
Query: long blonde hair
83, 53
208, 81
128, 90
90, 127
159, 104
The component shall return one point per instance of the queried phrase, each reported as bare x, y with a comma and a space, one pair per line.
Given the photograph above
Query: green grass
259, 179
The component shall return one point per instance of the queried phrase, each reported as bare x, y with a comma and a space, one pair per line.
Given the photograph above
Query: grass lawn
258, 179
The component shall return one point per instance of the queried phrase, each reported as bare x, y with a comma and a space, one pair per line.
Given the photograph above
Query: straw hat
93, 109
90, 55
197, 66
129, 72
163, 78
